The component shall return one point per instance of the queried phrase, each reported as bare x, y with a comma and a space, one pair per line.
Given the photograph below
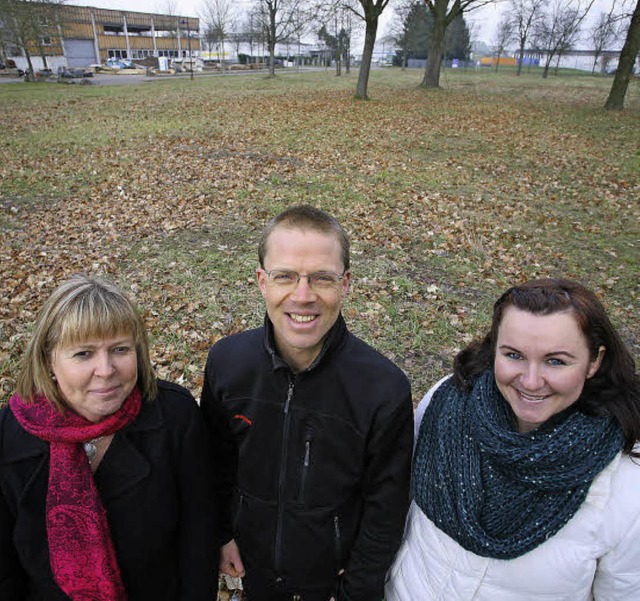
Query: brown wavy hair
613, 390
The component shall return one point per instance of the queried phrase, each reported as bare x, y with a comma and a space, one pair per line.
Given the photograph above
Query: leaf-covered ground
449, 196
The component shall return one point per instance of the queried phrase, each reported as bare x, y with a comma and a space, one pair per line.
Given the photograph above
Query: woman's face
541, 364
95, 376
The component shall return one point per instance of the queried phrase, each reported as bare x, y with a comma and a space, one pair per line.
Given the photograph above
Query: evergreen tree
457, 40
416, 33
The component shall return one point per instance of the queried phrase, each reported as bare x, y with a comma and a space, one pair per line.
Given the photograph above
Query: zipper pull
307, 452
289, 396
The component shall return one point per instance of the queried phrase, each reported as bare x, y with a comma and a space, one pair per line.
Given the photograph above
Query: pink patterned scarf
81, 552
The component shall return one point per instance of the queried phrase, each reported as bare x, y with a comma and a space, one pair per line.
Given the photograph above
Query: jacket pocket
337, 534
305, 470
239, 507
255, 529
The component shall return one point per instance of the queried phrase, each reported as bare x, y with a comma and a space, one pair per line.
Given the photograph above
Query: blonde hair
306, 217
82, 308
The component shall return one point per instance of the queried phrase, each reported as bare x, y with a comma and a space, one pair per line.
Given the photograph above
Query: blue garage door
80, 53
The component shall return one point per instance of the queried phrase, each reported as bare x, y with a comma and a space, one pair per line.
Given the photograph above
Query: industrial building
80, 36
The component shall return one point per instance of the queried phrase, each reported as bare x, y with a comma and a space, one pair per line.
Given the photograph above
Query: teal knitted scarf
497, 492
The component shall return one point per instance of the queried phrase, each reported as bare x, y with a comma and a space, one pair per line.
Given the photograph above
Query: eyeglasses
318, 280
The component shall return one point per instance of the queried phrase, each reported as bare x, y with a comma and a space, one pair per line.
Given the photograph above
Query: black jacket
316, 464
155, 484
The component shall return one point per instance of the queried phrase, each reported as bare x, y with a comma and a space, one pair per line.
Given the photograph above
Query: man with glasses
312, 429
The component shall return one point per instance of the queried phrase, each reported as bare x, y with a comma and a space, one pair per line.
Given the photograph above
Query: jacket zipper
338, 541
305, 469
282, 479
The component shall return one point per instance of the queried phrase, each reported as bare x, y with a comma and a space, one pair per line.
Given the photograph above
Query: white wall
53, 62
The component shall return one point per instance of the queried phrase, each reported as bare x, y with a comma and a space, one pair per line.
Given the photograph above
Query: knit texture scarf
497, 492
81, 552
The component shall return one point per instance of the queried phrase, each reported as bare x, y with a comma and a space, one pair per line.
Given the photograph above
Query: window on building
117, 53
141, 53
138, 30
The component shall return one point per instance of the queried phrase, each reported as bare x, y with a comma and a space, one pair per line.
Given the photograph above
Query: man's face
302, 315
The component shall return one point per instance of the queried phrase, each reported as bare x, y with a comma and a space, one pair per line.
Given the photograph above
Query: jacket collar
125, 467
333, 339
17, 443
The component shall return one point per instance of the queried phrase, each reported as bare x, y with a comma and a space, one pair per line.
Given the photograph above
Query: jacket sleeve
385, 502
422, 407
617, 575
12, 576
224, 450
198, 545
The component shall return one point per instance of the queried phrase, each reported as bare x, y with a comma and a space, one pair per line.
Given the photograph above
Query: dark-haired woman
526, 483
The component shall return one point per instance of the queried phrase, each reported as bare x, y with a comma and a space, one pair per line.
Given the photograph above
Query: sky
483, 20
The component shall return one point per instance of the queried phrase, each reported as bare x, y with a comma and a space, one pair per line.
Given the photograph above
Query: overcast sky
483, 20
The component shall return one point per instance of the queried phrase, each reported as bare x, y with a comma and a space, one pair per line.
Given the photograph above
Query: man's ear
261, 276
346, 281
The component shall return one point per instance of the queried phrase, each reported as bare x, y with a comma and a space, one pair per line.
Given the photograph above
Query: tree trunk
338, 49
521, 59
367, 53
615, 101
497, 61
436, 51
347, 57
43, 56
547, 64
272, 43
31, 74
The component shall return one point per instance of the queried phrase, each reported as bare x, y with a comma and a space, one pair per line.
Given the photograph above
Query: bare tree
503, 37
399, 29
218, 17
30, 25
281, 21
559, 27
168, 7
525, 15
603, 32
369, 11
444, 12
628, 55
251, 31
334, 16
301, 27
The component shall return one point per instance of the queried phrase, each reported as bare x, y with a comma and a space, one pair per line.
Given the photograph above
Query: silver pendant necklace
91, 449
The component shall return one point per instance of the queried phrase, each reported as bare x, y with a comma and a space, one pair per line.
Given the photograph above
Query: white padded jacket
595, 556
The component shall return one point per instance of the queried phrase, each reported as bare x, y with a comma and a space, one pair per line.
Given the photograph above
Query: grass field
449, 196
